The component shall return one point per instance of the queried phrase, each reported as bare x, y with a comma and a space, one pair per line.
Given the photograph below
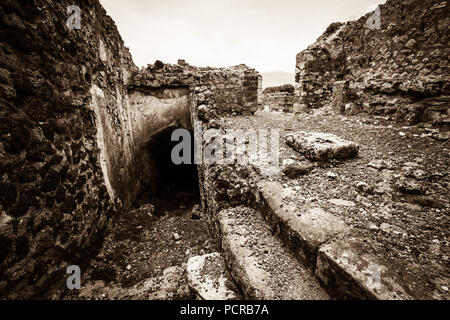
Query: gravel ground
395, 192
142, 246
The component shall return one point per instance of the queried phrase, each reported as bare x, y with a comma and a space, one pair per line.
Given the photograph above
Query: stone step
322, 242
302, 232
208, 278
349, 271
260, 264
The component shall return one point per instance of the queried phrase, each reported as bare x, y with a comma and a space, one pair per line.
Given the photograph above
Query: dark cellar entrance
172, 187
144, 244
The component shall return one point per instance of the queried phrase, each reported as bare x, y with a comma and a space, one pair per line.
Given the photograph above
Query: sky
263, 34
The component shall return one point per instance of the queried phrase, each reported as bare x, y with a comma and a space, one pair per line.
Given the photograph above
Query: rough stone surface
409, 186
408, 231
341, 202
234, 90
280, 98
171, 285
208, 278
61, 107
296, 170
322, 146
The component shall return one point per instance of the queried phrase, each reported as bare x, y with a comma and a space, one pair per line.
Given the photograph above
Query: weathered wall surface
398, 69
280, 98
64, 140
163, 95
213, 93
260, 91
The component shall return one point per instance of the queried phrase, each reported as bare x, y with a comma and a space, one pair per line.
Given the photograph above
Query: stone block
322, 146
340, 96
302, 231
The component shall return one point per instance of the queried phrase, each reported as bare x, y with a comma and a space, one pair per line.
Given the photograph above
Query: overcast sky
264, 34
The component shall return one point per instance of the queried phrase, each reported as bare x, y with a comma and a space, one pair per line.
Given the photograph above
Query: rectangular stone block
340, 96
322, 146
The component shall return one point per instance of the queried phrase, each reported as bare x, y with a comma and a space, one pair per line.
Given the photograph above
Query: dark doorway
171, 186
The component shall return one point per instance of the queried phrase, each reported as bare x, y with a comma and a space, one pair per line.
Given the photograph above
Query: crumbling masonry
400, 70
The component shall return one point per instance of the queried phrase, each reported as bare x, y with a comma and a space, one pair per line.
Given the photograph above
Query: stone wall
76, 117
212, 93
260, 90
398, 69
280, 98
152, 111
64, 140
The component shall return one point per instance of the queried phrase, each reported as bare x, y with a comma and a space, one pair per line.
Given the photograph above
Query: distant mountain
277, 78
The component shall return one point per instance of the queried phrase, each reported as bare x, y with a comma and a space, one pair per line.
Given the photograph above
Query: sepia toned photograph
241, 152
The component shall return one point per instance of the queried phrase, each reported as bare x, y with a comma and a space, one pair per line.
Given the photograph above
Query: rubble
409, 186
294, 171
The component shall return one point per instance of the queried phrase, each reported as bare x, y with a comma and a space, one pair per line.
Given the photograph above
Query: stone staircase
277, 251
322, 243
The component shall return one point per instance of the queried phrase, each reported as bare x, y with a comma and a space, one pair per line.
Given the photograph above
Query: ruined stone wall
153, 111
212, 94
165, 96
64, 140
279, 101
232, 90
318, 67
398, 69
260, 91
